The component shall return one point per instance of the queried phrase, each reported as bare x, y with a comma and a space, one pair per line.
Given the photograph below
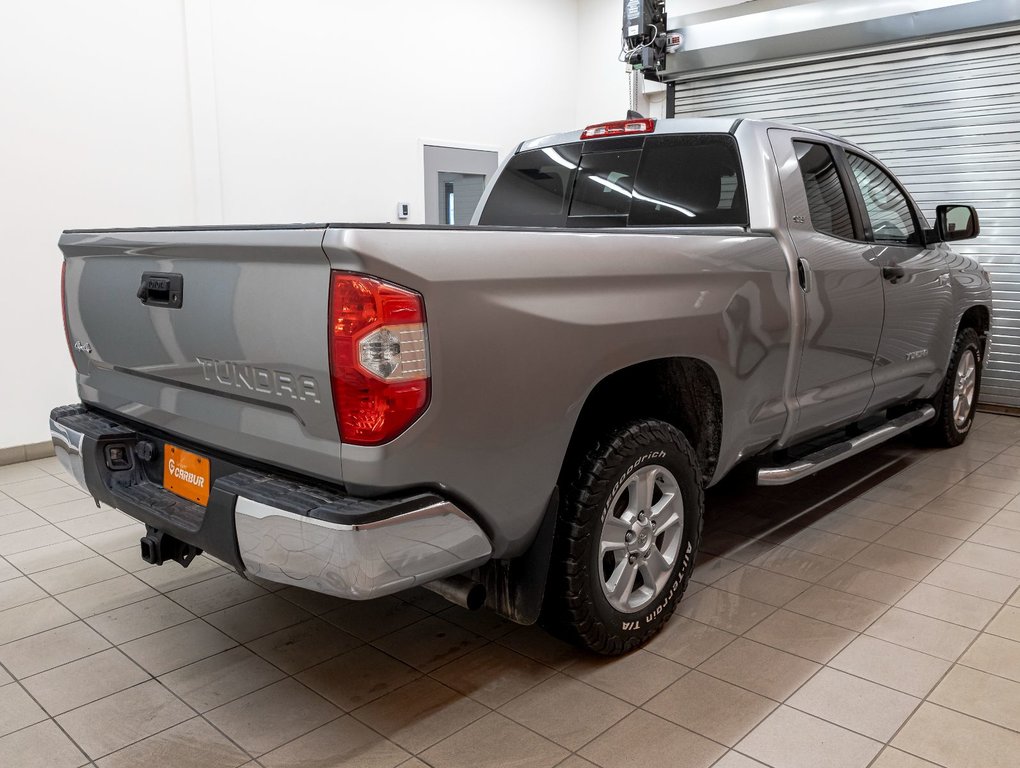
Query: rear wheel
628, 531
956, 402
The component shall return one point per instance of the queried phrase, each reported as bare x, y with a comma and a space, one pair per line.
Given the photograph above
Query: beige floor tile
50, 648
8, 571
709, 568
40, 746
53, 556
484, 622
789, 738
864, 582
644, 739
112, 723
19, 473
358, 677
270, 717
980, 695
429, 644
859, 705
192, 744
343, 743
761, 585
994, 536
1009, 517
107, 595
24, 520
922, 633
43, 499
98, 522
995, 655
724, 610
75, 575
425, 599
919, 542
23, 541
867, 509
852, 526
494, 741
566, 710
941, 525
987, 558
836, 607
901, 497
992, 499
32, 618
171, 576
823, 544
83, 681
493, 675
953, 739
736, 760
973, 581
635, 677
32, 485
69, 510
177, 646
317, 603
303, 645
535, 643
688, 642
420, 714
954, 607
18, 591
711, 707
1006, 624
139, 619
895, 758
891, 665
801, 635
960, 509
796, 563
17, 709
898, 562
220, 679
118, 538
372, 619
223, 591
760, 668
989, 482
254, 618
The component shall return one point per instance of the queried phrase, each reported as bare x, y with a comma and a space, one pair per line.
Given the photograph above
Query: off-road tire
576, 607
942, 431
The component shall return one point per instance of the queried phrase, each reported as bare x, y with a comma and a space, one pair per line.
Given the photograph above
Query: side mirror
956, 222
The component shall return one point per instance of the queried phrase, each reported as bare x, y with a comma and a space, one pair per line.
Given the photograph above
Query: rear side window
674, 180
827, 201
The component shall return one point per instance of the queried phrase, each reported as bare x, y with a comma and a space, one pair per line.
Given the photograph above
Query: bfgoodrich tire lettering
651, 538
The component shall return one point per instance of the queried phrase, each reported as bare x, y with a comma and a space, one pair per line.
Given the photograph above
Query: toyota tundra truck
522, 413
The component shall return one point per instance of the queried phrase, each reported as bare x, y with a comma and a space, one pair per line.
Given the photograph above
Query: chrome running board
833, 454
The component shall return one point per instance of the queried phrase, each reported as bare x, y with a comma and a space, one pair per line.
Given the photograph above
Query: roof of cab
680, 125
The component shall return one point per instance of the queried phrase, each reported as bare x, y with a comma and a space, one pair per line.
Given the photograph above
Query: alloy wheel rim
964, 388
640, 538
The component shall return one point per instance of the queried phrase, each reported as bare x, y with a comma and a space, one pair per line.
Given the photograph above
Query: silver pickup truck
524, 412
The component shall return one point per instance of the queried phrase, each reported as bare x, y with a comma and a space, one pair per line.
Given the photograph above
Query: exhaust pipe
459, 590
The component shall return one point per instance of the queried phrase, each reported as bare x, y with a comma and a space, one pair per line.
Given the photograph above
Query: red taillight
619, 128
63, 308
378, 358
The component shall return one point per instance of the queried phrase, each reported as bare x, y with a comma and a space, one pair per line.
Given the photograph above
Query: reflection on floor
869, 616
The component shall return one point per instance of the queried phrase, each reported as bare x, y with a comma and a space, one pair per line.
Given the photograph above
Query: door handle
893, 273
804, 275
162, 289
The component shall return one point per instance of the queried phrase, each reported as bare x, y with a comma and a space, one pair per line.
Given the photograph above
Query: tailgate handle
162, 289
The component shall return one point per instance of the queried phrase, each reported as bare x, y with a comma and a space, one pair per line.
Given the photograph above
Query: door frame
443, 144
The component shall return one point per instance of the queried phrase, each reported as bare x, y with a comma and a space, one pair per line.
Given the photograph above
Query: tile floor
868, 617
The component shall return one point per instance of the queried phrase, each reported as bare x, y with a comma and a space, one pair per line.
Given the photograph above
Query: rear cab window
692, 180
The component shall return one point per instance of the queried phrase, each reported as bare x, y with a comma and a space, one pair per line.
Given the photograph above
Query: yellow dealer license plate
186, 474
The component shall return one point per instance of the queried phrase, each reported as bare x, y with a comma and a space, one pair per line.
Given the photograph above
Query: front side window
892, 220
827, 201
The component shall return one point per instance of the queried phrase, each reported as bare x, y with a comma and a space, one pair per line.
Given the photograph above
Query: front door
840, 286
914, 352
455, 179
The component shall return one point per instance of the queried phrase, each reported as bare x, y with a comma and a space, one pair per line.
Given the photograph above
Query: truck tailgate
242, 364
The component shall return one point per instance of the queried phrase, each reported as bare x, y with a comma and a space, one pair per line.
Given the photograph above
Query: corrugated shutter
946, 119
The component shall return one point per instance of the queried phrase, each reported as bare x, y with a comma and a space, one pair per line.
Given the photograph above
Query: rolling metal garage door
945, 118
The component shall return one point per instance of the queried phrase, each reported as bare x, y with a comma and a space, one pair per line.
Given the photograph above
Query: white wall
164, 112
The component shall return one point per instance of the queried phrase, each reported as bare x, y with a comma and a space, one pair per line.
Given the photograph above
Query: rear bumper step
833, 454
274, 528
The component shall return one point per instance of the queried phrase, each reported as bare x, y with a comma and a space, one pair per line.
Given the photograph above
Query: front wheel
956, 401
626, 538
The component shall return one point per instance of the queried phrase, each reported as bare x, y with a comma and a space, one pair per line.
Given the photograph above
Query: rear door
840, 282
915, 346
218, 336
